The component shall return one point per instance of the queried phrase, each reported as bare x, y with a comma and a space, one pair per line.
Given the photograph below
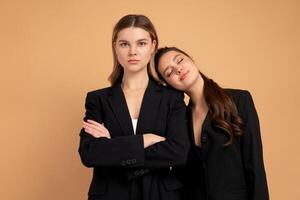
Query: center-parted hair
137, 21
221, 106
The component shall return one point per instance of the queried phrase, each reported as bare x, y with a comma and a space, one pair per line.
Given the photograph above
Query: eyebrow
174, 59
143, 39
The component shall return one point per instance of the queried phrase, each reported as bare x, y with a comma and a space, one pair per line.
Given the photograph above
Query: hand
150, 139
96, 129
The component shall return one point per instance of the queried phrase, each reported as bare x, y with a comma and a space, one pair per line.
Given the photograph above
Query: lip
184, 75
133, 61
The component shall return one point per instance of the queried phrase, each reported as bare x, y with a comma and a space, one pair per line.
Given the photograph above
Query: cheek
194, 67
119, 58
121, 50
121, 55
118, 53
173, 81
145, 52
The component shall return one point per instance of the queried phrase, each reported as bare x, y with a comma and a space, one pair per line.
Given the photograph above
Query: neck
136, 80
196, 94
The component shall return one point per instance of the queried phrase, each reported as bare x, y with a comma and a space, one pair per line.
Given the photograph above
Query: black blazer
215, 172
118, 161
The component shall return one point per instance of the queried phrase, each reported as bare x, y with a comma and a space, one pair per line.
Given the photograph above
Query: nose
132, 50
179, 70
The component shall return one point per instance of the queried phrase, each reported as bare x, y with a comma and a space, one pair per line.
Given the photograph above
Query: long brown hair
139, 21
221, 106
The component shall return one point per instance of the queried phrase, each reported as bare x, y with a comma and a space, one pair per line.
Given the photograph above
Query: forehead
133, 33
167, 59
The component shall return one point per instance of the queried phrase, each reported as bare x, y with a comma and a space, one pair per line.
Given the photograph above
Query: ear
114, 48
153, 46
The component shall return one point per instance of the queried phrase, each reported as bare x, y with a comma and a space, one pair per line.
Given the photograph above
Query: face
134, 48
178, 70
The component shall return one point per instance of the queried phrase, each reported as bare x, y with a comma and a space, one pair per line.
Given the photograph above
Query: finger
96, 125
95, 133
94, 122
101, 130
92, 126
87, 125
91, 132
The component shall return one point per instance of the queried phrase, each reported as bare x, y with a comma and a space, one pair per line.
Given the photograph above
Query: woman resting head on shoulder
177, 69
224, 130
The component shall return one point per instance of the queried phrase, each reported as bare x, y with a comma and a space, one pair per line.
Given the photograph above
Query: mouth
133, 61
184, 75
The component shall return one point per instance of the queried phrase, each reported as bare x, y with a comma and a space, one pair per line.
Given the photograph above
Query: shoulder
99, 92
172, 93
239, 95
242, 99
166, 91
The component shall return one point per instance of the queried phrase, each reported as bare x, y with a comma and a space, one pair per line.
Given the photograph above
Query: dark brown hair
221, 106
139, 21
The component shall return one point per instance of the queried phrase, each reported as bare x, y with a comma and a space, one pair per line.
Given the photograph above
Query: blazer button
136, 173
133, 160
128, 162
204, 139
123, 163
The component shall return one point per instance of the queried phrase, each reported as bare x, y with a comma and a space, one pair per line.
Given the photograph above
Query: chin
134, 68
179, 87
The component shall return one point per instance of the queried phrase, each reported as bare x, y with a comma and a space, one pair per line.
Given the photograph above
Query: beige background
53, 51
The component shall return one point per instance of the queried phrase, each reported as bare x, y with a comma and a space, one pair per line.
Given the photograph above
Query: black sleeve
252, 150
126, 151
174, 150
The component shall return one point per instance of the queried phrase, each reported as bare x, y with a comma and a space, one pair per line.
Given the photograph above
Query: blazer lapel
190, 123
149, 107
206, 128
119, 107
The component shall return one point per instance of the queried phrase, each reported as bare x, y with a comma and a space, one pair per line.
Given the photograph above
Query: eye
141, 44
179, 60
123, 44
169, 72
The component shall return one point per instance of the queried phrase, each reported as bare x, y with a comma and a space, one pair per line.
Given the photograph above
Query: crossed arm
98, 149
98, 130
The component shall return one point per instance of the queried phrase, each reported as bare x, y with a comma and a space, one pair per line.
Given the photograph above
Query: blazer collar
148, 110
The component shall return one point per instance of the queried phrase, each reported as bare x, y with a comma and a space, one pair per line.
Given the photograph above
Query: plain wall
52, 52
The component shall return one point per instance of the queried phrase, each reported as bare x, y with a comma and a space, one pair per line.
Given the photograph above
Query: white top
134, 123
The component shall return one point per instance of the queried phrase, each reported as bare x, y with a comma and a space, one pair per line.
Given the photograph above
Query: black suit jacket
237, 172
121, 159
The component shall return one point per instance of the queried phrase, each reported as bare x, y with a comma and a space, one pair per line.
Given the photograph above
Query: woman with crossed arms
134, 133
